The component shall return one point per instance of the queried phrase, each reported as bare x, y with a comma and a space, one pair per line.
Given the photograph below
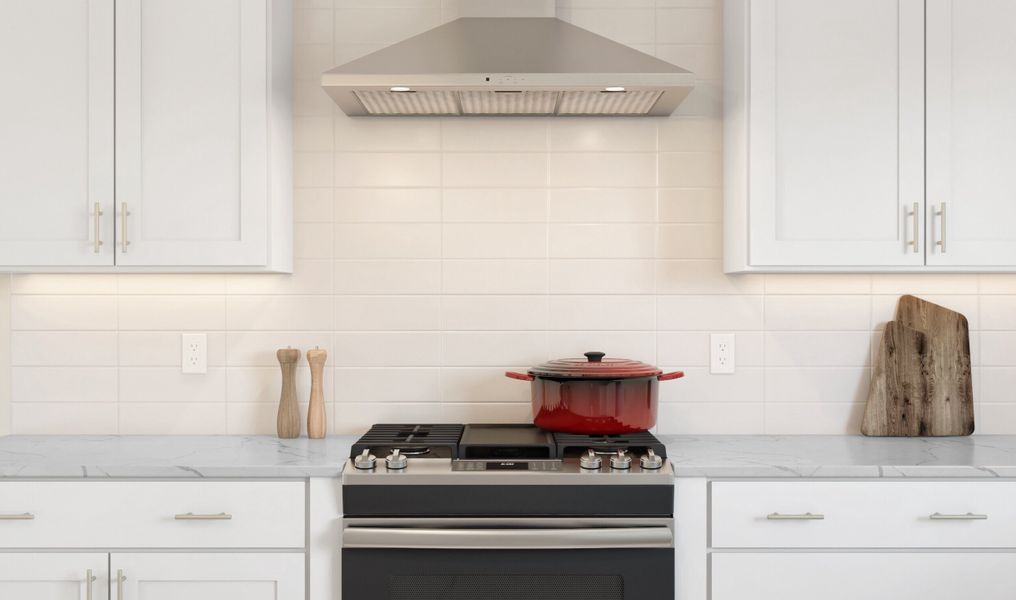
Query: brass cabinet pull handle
89, 579
916, 225
20, 517
120, 578
941, 233
212, 517
958, 517
97, 242
798, 517
124, 213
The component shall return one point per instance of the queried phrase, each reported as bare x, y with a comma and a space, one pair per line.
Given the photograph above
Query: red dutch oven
595, 395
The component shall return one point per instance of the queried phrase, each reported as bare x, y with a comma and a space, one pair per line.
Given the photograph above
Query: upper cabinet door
835, 133
971, 133
192, 131
56, 133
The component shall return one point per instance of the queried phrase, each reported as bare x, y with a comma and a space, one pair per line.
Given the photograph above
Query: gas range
505, 512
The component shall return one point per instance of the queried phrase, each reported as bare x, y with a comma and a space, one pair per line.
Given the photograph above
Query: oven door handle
500, 539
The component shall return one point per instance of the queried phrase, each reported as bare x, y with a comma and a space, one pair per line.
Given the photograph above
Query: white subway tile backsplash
387, 240
387, 205
605, 313
433, 254
601, 169
478, 205
710, 313
478, 240
81, 313
585, 134
493, 313
494, 277
63, 348
387, 169
500, 169
602, 205
602, 277
387, 313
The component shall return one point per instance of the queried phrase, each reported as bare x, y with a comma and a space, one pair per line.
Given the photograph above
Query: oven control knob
620, 461
589, 460
365, 462
651, 461
396, 461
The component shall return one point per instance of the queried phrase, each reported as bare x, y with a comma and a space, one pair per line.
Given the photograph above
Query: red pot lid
595, 365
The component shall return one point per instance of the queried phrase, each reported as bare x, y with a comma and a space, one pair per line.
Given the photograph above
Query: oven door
508, 559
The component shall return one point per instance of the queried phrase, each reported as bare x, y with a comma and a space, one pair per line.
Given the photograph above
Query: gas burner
422, 441
571, 445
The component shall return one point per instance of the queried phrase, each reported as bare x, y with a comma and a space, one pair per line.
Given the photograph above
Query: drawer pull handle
964, 517
193, 517
22, 517
120, 578
89, 580
799, 517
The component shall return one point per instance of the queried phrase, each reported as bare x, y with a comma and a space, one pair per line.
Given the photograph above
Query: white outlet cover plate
721, 353
194, 353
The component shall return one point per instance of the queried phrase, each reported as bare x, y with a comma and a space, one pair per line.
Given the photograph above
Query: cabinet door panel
209, 576
873, 576
56, 132
53, 576
972, 132
836, 132
192, 132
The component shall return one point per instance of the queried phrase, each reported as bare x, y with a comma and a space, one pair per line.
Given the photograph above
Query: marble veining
192, 457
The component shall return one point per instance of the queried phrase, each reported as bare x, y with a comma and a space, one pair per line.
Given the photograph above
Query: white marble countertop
692, 456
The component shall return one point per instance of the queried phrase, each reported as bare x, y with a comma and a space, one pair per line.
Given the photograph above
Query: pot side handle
669, 376
520, 376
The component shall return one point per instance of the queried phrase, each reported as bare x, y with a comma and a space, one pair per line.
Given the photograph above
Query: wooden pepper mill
316, 424
289, 413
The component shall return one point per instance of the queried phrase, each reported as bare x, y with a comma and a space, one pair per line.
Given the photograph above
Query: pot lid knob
365, 461
651, 461
396, 460
595, 356
620, 461
589, 460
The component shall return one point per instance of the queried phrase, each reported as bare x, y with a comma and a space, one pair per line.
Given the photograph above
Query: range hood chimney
508, 66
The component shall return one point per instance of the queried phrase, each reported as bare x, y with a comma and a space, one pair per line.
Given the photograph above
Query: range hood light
399, 88
616, 88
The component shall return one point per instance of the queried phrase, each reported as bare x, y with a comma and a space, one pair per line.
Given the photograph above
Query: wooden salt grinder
289, 413
316, 424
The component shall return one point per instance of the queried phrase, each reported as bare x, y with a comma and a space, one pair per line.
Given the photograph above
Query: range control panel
506, 465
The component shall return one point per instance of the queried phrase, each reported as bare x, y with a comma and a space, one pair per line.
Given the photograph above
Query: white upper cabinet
825, 133
870, 135
56, 132
202, 116
971, 133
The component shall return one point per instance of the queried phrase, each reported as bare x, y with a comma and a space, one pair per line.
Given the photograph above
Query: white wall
435, 253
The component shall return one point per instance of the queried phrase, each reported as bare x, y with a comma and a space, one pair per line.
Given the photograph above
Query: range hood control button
620, 461
397, 461
589, 460
366, 461
651, 461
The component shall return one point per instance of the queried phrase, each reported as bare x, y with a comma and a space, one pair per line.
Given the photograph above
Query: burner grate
434, 440
574, 444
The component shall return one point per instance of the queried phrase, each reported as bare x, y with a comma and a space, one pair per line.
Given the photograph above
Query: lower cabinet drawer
167, 514
869, 514
874, 576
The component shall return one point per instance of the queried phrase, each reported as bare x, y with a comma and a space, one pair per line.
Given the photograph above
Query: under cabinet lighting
399, 88
614, 89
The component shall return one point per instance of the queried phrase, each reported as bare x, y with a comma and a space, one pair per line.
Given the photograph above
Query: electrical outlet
721, 353
194, 355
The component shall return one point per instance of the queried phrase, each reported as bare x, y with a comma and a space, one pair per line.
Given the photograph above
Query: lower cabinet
872, 576
56, 576
207, 576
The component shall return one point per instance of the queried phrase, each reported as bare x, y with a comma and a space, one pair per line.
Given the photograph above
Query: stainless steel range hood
508, 66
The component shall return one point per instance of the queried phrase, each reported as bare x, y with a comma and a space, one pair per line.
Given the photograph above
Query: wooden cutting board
921, 382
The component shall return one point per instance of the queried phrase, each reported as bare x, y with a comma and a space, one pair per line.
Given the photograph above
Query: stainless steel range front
506, 512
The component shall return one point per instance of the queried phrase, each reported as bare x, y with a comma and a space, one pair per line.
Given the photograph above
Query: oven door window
530, 574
